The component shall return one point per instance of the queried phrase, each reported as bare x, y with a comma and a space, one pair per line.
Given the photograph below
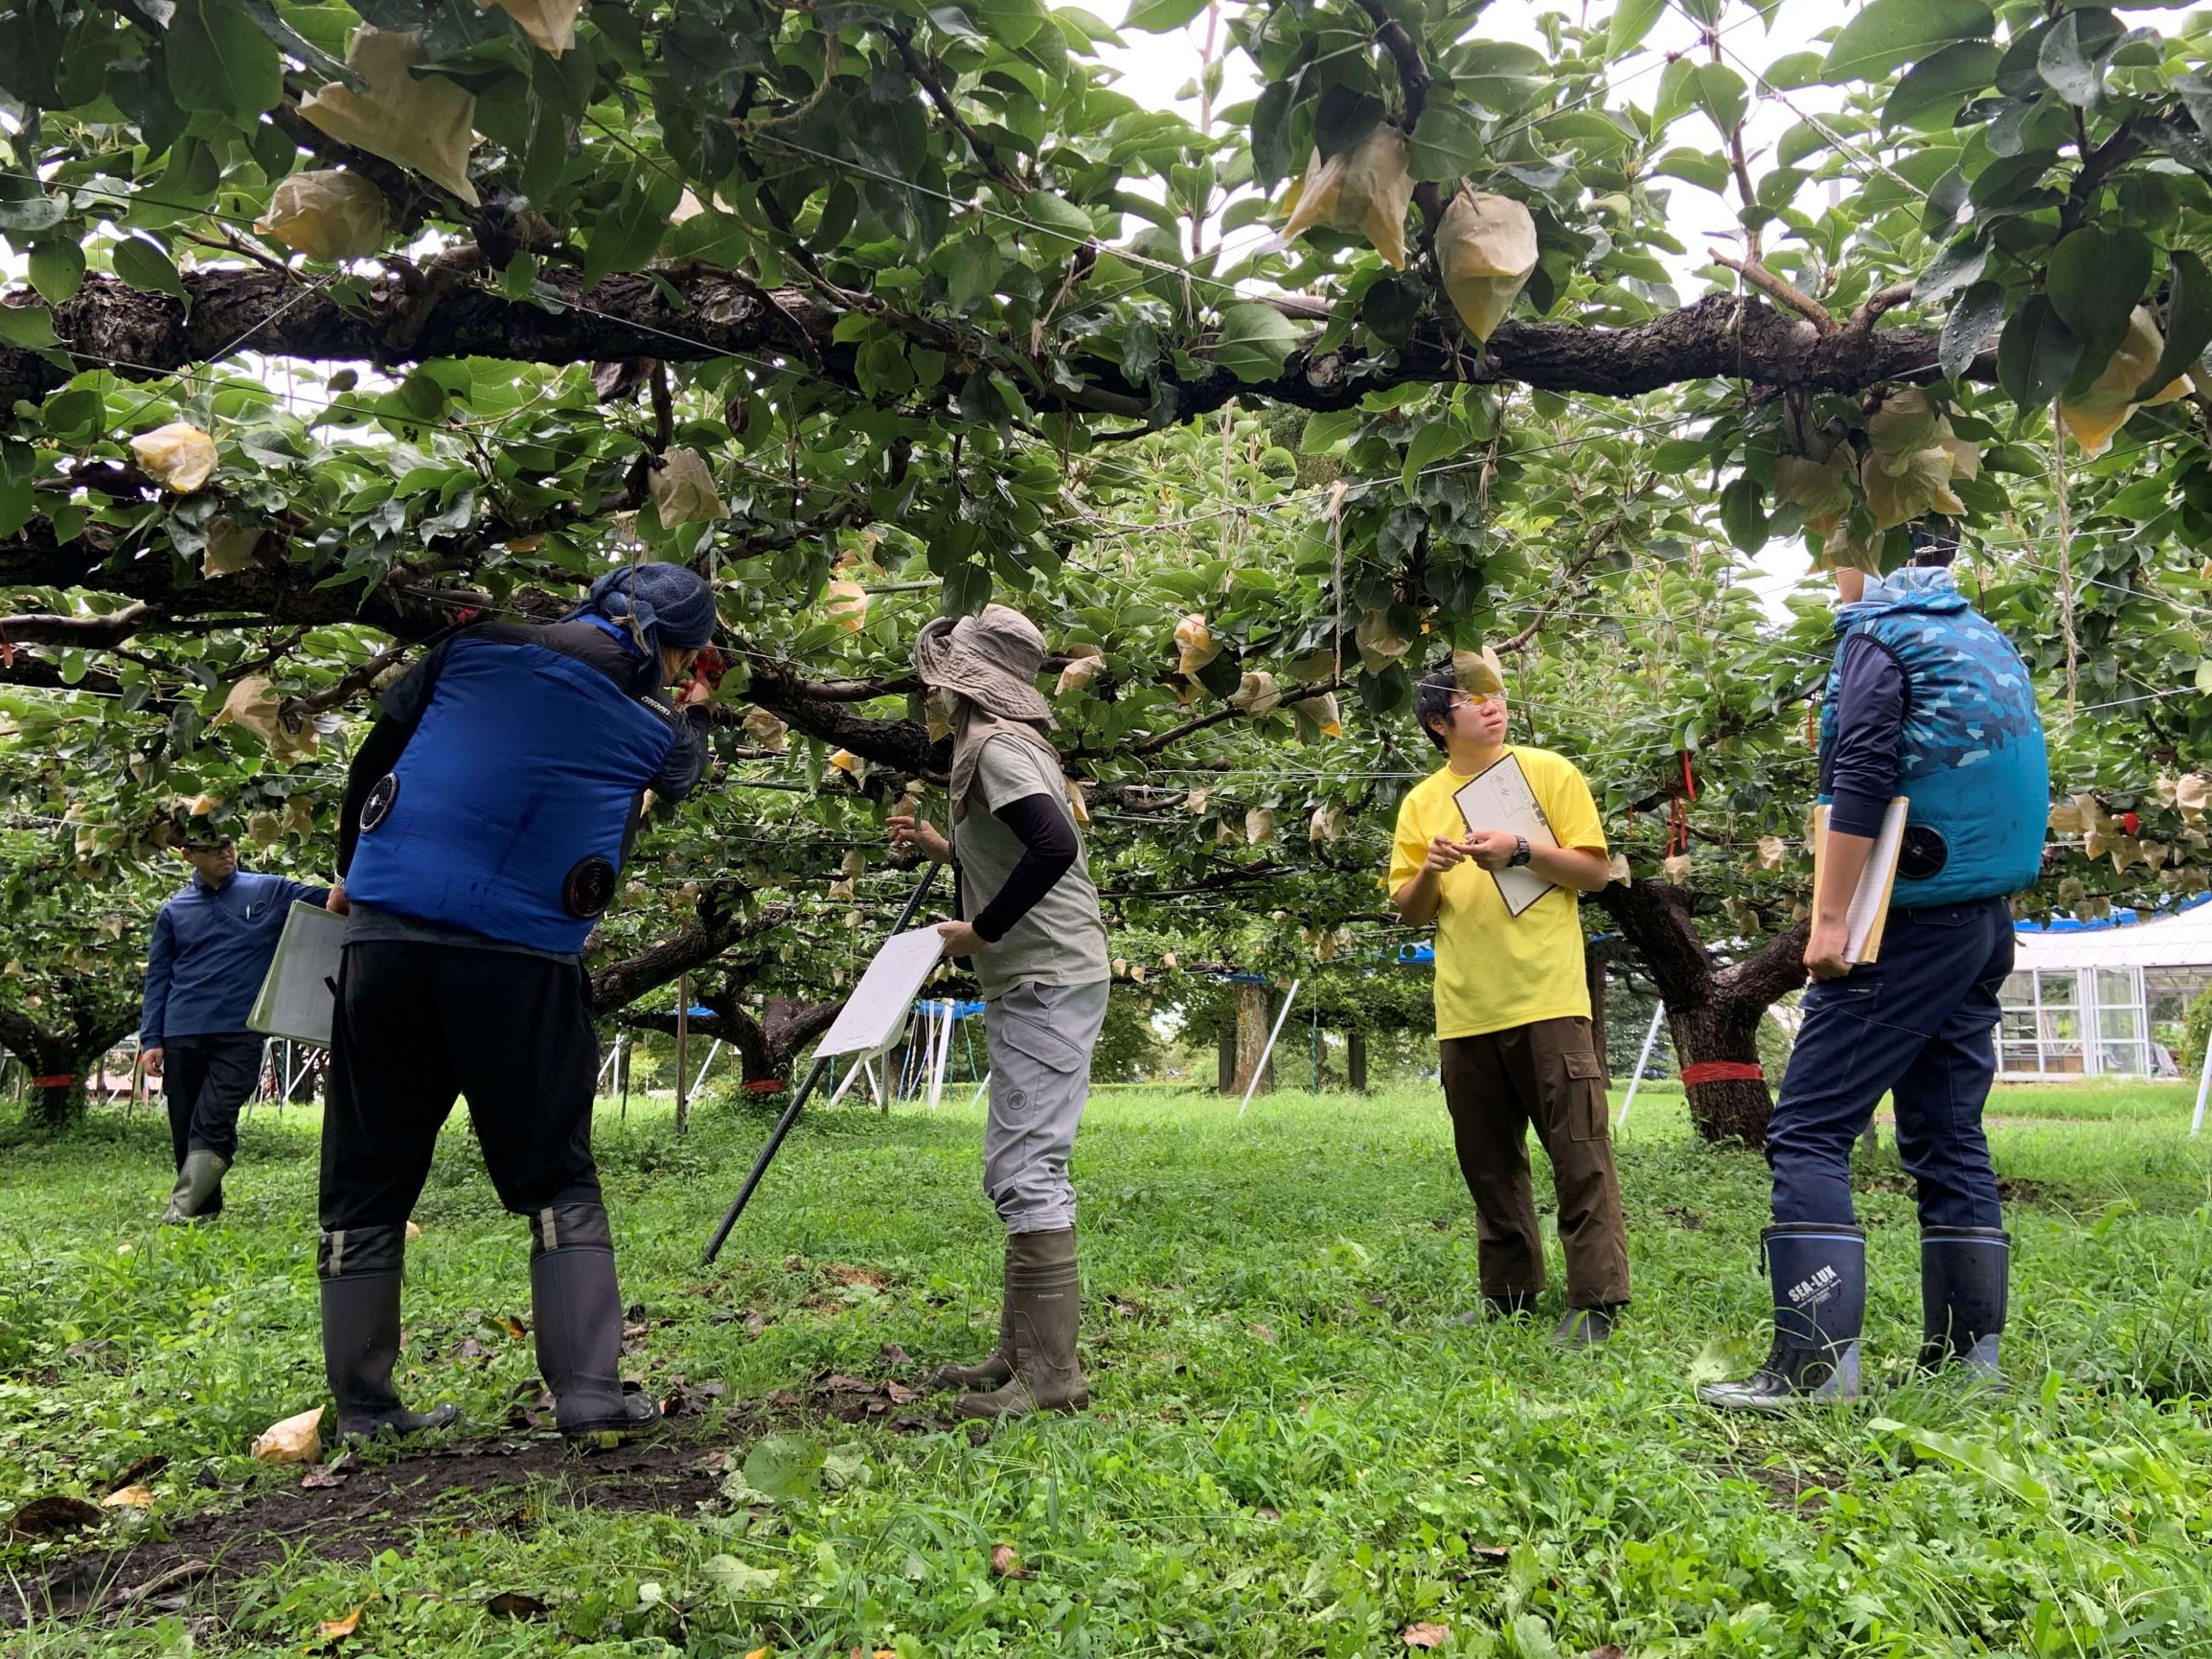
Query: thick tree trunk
1225, 1059
70, 1056
1254, 1015
1712, 1009
1356, 1061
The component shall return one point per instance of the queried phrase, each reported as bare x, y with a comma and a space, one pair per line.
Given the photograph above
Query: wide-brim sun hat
991, 658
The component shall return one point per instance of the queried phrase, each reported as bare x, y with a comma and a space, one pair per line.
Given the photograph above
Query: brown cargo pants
1495, 1086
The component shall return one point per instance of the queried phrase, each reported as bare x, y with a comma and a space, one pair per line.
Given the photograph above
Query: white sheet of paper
876, 1012
300, 994
1498, 798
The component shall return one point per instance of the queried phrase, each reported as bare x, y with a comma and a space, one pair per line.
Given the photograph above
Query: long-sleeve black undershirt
1050, 851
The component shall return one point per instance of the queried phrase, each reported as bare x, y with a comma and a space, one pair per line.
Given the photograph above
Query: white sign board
1498, 798
876, 1012
301, 992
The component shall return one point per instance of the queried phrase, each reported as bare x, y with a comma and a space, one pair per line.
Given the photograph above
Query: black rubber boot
1819, 1277
998, 1368
360, 1269
1044, 1301
1964, 1277
576, 1309
1587, 1326
199, 1190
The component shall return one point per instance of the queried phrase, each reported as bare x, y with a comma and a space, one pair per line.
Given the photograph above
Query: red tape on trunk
1723, 1071
61, 1081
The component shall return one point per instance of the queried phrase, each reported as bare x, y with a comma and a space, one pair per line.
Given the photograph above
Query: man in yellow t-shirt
1513, 1009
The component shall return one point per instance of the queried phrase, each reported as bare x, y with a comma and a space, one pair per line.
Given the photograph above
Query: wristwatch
1519, 852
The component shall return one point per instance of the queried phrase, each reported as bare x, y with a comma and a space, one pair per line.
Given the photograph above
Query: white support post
982, 1089
606, 1068
1643, 1059
944, 1022
1261, 1070
2203, 1084
702, 1076
851, 1075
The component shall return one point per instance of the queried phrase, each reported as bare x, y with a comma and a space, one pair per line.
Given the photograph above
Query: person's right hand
1443, 852
907, 830
150, 1061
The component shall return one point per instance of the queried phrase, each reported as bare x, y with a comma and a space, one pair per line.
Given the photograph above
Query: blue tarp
960, 1010
2118, 918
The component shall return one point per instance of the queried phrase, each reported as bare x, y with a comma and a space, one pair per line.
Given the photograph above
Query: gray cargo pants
1040, 1038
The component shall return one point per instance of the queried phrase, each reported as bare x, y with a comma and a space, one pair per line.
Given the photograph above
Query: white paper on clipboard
1498, 798
299, 996
876, 1012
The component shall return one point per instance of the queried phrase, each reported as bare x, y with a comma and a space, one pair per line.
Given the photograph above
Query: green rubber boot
1044, 1308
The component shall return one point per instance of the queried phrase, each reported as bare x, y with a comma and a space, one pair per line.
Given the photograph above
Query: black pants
205, 1079
418, 1025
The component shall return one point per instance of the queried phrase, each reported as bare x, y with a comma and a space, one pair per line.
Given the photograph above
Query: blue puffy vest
509, 809
1970, 756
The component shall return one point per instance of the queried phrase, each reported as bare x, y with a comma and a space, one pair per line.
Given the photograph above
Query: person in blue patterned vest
1927, 700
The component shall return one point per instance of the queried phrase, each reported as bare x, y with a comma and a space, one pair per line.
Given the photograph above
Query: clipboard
1498, 797
300, 995
1869, 910
874, 1014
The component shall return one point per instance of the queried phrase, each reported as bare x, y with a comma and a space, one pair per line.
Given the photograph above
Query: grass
1294, 1449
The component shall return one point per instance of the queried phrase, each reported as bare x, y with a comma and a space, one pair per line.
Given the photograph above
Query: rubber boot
998, 1368
198, 1186
576, 1309
1819, 1276
1044, 1306
360, 1269
1964, 1275
1587, 1326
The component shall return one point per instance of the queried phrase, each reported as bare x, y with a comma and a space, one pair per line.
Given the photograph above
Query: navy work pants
205, 1081
1918, 1024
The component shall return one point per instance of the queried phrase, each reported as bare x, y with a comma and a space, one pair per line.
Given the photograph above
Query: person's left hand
337, 904
1493, 848
960, 939
1824, 951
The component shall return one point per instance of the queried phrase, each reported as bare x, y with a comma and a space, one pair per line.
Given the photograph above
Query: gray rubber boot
576, 1309
998, 1368
1965, 1276
198, 1186
1587, 1326
360, 1269
1819, 1276
1045, 1305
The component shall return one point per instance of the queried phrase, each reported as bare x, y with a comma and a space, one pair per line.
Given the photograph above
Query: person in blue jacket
1925, 700
210, 949
486, 821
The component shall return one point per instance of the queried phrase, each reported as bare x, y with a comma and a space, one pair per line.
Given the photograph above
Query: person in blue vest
210, 949
1925, 700
486, 821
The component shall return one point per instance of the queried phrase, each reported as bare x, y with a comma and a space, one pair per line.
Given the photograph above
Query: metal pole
704, 1069
1643, 1059
2203, 1083
683, 1061
1261, 1070
798, 1100
622, 1072
981, 1087
944, 1052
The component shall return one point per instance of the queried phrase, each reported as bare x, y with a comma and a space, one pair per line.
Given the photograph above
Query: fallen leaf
899, 1394
129, 1498
514, 1604
42, 1517
891, 1354
1607, 1651
323, 1477
144, 1469
837, 1382
335, 1629
1428, 1635
1262, 1332
1006, 1564
512, 1326
845, 1275
297, 1439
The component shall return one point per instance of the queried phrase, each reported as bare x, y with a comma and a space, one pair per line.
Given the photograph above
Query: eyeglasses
1477, 699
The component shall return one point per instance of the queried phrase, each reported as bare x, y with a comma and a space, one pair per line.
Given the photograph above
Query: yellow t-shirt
1494, 969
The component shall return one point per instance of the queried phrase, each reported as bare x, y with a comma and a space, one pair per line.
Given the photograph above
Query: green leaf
1429, 445
287, 40
29, 326
1501, 76
220, 63
2188, 320
1975, 316
1160, 17
2095, 278
971, 272
1721, 94
786, 1467
34, 212
1743, 515
1935, 87
1890, 33
628, 231
1799, 69
1633, 20
143, 265
1952, 269
736, 1579
1055, 213
1254, 341
1703, 168
2035, 354
2204, 675
1446, 143
2072, 58
1327, 428
56, 270
1271, 134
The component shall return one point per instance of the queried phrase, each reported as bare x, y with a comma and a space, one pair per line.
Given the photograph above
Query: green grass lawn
1294, 1449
